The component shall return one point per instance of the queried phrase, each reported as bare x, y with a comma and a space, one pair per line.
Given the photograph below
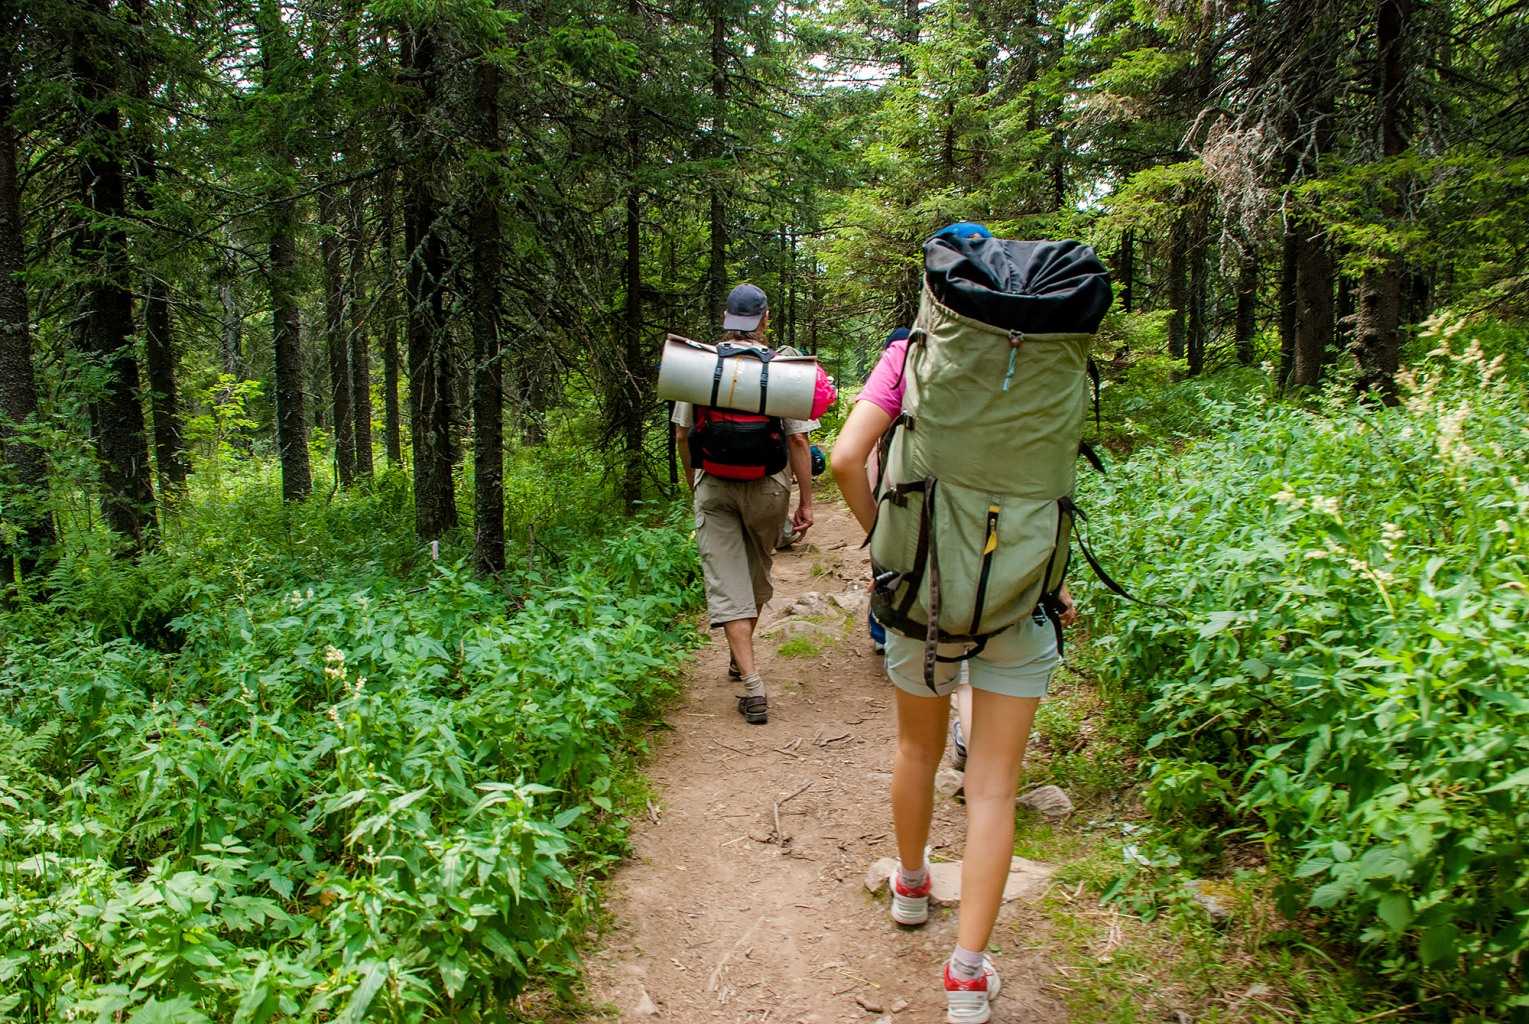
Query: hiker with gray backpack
970, 524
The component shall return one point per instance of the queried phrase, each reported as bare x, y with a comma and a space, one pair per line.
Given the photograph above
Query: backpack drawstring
1016, 339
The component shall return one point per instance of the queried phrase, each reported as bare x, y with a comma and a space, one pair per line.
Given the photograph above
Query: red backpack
733, 445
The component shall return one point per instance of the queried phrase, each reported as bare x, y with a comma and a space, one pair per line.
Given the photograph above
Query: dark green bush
1346, 678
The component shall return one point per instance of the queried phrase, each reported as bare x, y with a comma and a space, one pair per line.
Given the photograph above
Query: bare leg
921, 723
995, 755
740, 640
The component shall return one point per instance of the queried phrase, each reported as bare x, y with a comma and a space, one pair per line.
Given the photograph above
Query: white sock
966, 964
753, 685
912, 879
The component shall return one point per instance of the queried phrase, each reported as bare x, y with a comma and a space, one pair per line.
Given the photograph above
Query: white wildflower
1326, 505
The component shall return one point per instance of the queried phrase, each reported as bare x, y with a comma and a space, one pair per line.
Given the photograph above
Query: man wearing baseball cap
738, 521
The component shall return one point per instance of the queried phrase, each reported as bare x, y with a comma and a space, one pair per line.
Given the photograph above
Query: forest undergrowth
288, 767
1321, 724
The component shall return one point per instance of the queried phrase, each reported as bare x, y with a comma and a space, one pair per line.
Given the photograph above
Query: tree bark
1290, 262
1376, 345
164, 399
105, 337
360, 341
336, 339
286, 328
1178, 286
159, 356
392, 432
1314, 306
1196, 339
1247, 304
230, 356
23, 464
633, 385
429, 368
1127, 269
716, 273
488, 372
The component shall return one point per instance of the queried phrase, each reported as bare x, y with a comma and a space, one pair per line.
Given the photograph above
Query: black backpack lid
1035, 287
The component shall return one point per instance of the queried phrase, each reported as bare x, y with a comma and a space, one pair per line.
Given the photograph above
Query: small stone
900, 1005
1201, 891
949, 783
1048, 800
1258, 991
885, 1018
810, 603
1027, 879
852, 601
645, 1006
877, 874
870, 1004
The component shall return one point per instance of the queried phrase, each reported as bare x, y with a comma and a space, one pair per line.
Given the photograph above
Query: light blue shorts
1017, 662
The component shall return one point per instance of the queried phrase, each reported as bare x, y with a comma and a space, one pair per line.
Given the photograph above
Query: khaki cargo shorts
737, 523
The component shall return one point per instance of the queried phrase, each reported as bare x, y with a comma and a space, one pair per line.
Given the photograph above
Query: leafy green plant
344, 782
1342, 676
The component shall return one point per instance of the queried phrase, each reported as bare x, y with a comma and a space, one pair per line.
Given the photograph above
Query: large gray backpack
975, 495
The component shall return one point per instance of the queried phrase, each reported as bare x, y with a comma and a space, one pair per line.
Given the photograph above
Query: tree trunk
392, 432
276, 63
23, 464
360, 342
121, 438
286, 329
488, 366
1178, 286
435, 507
1247, 305
230, 357
635, 379
336, 340
159, 355
1127, 269
1377, 336
716, 273
1290, 262
1314, 307
1196, 339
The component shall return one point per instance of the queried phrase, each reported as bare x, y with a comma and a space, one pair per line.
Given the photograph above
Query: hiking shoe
755, 710
957, 743
967, 1000
910, 906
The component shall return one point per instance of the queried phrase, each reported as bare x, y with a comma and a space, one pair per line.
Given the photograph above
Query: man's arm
800, 453
682, 442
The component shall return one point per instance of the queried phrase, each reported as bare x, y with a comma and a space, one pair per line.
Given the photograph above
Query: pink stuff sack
825, 394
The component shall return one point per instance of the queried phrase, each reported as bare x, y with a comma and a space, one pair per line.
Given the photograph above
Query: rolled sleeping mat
742, 378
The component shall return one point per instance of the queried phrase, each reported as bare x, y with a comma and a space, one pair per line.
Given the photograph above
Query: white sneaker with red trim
967, 999
911, 906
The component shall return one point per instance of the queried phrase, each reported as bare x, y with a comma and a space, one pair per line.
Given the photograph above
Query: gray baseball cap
746, 306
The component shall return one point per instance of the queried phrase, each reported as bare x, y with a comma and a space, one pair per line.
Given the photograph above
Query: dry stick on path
780, 836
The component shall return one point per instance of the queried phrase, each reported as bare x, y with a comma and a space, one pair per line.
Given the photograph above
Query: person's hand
1069, 607
802, 521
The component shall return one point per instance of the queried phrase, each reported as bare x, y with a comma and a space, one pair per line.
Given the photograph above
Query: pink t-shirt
887, 382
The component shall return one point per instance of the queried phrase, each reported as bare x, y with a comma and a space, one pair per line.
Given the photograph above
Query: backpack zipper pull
1016, 339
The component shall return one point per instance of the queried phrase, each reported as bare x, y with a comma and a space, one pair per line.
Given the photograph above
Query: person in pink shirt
1003, 704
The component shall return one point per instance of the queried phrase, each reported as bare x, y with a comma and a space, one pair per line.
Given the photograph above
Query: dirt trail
718, 918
